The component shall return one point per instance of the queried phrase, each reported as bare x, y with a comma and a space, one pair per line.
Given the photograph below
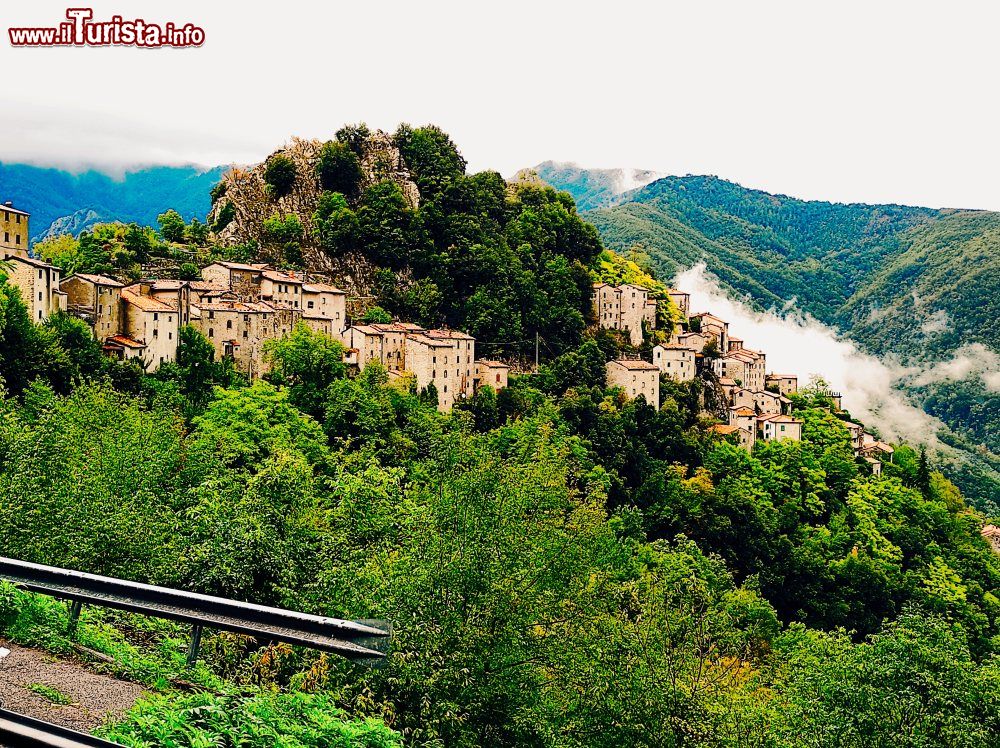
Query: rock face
247, 198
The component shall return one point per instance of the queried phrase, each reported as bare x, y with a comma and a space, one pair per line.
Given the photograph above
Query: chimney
9, 204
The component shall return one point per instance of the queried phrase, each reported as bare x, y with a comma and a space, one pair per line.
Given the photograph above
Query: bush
279, 173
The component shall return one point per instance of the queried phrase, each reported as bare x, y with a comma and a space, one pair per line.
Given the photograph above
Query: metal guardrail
20, 731
355, 640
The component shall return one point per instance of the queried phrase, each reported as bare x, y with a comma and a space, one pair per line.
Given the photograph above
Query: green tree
279, 175
171, 226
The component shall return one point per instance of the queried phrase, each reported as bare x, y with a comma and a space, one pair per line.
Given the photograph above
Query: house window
211, 333
310, 304
211, 314
229, 324
170, 336
17, 239
156, 317
156, 333
245, 334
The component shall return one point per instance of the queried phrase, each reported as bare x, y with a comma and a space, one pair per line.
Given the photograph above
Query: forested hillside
563, 567
914, 283
62, 202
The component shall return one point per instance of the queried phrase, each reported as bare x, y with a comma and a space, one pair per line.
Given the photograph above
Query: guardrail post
74, 615
195, 644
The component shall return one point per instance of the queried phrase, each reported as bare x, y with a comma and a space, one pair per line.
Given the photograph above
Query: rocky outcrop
246, 197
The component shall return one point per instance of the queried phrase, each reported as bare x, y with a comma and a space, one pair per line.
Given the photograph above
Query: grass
49, 692
145, 650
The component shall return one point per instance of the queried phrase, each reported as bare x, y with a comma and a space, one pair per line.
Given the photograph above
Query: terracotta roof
321, 288
34, 262
200, 285
722, 428
780, 418
742, 410
727, 382
492, 364
277, 275
146, 303
676, 347
674, 291
98, 280
126, 341
782, 376
428, 341
450, 334
634, 364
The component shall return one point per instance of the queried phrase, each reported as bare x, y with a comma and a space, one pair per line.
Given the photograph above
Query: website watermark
81, 30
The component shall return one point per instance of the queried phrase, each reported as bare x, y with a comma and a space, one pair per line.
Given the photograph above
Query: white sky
855, 101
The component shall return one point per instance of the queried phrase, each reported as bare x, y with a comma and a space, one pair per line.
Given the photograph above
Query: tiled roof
99, 280
146, 303
34, 262
126, 341
321, 288
277, 275
742, 410
492, 364
780, 418
450, 334
634, 364
722, 428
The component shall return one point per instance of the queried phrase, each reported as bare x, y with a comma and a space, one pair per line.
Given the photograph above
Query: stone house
13, 228
636, 378
681, 300
778, 427
237, 330
713, 327
693, 340
676, 361
281, 289
743, 417
96, 299
624, 308
243, 279
491, 374
857, 432
445, 358
38, 282
785, 384
770, 403
385, 343
151, 323
324, 308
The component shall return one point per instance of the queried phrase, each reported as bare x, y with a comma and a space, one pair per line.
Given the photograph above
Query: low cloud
796, 343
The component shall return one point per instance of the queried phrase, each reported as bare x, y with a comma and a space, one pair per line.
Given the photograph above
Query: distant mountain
917, 283
594, 188
62, 202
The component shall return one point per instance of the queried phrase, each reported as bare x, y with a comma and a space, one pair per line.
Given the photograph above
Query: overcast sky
852, 101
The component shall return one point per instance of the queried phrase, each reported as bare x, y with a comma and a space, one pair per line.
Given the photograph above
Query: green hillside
913, 282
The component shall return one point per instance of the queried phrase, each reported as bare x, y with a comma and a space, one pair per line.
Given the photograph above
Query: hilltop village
238, 307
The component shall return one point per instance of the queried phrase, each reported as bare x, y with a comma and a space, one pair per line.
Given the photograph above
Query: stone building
778, 427
491, 373
636, 378
444, 358
624, 308
681, 300
150, 323
676, 361
324, 308
785, 384
712, 327
96, 299
38, 282
13, 228
242, 278
237, 330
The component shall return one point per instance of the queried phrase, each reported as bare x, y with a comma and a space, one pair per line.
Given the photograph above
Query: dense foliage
562, 566
916, 283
